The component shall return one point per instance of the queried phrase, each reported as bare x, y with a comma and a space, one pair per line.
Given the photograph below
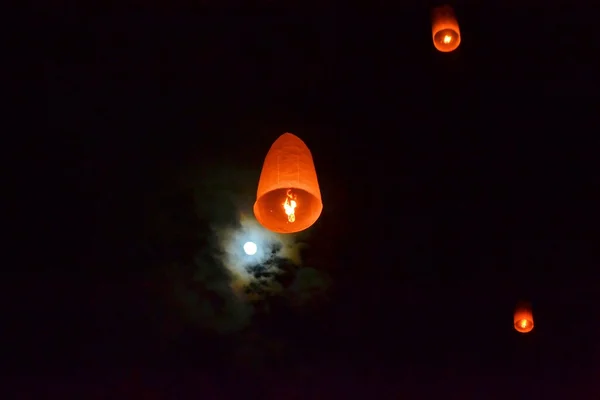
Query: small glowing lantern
288, 198
523, 318
446, 35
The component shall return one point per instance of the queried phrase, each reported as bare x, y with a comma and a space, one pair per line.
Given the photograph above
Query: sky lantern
523, 318
444, 28
288, 198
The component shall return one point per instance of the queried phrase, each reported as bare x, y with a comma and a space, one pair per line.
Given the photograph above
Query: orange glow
523, 318
444, 28
523, 323
288, 198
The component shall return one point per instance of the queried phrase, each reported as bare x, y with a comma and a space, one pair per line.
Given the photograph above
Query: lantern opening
524, 325
287, 210
446, 39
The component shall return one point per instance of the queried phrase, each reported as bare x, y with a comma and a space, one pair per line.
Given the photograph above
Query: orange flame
289, 205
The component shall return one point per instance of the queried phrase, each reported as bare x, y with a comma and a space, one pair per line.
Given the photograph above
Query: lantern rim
269, 211
446, 47
528, 328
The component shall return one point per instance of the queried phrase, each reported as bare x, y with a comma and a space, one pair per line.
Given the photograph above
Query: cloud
225, 281
272, 249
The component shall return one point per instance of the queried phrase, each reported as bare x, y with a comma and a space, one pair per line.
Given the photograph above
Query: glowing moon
250, 248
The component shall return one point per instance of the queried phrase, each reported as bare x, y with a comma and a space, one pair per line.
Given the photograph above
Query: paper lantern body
444, 28
523, 318
288, 198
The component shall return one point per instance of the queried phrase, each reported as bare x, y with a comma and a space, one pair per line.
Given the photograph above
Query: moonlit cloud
269, 246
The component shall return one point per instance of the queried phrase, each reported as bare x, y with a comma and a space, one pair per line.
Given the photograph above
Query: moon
250, 248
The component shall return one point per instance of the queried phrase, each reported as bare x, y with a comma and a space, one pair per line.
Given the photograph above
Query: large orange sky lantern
523, 318
444, 28
288, 198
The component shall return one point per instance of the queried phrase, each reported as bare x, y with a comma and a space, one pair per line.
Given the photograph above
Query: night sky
454, 185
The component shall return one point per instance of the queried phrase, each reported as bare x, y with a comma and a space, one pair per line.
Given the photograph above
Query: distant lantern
523, 318
444, 27
288, 198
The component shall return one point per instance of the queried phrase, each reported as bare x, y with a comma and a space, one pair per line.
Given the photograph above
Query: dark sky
454, 185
